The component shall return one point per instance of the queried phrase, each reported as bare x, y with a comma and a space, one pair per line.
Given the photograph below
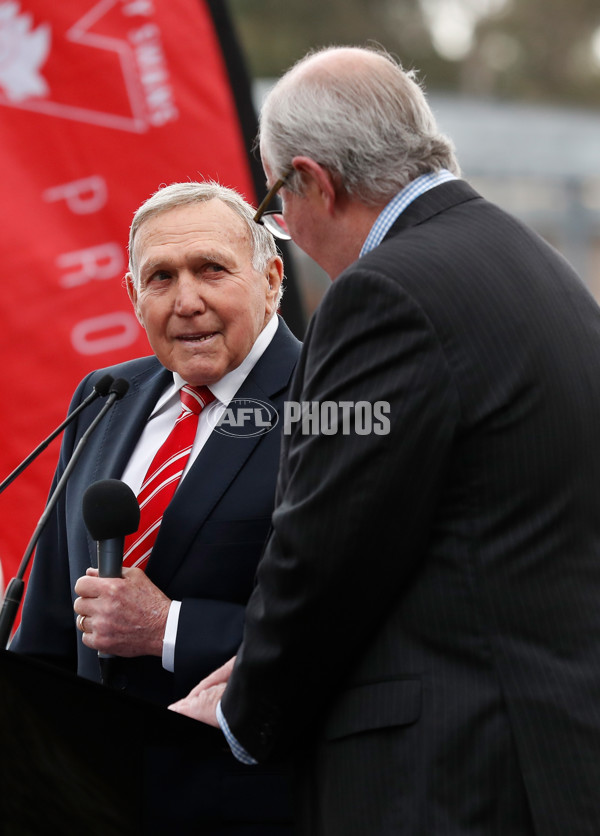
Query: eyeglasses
272, 218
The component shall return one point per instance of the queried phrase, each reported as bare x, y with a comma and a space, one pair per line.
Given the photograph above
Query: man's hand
123, 616
201, 703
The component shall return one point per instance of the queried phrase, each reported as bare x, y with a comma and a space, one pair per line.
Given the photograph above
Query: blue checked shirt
398, 204
239, 751
379, 230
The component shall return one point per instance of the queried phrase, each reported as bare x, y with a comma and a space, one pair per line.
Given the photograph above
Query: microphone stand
14, 592
100, 389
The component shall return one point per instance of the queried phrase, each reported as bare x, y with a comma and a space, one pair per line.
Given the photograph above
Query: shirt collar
398, 204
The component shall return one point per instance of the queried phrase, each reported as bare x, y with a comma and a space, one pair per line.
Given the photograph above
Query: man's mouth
196, 338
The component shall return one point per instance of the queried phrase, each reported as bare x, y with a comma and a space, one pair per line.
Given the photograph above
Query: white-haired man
205, 282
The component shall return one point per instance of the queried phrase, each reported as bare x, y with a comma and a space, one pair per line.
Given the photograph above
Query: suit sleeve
353, 511
208, 634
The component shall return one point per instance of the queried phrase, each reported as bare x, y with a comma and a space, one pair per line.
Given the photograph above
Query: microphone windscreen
110, 509
119, 387
102, 387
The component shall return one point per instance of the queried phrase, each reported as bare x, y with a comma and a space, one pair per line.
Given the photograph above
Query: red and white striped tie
164, 474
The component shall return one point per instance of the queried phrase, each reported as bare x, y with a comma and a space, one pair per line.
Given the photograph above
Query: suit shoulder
130, 370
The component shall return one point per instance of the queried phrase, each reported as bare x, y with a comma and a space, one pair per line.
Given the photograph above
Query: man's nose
189, 299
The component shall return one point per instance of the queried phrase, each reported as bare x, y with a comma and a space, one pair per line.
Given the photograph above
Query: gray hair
368, 122
183, 194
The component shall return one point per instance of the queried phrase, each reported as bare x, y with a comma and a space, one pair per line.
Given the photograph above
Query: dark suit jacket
206, 552
427, 612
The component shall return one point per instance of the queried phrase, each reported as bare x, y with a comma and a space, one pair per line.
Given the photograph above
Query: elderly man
205, 282
425, 630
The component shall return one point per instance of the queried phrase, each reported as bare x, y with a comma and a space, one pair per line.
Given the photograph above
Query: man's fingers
200, 705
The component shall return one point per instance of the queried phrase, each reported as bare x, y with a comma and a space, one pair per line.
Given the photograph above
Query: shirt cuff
238, 750
168, 652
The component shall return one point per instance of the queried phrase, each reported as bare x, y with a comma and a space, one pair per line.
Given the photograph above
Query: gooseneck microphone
14, 592
99, 391
110, 511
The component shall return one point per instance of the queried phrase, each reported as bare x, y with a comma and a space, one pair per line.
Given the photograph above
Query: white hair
366, 121
183, 194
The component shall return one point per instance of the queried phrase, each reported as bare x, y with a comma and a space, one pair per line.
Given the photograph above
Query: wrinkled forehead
206, 224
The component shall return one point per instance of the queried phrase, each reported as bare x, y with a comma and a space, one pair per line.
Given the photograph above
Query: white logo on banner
142, 64
22, 52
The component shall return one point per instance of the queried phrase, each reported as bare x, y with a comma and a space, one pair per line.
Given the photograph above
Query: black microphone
14, 592
110, 511
99, 391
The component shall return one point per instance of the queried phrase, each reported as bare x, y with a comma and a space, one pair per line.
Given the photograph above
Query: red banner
100, 104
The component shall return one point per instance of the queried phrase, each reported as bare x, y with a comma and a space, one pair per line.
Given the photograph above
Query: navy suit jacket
424, 634
209, 543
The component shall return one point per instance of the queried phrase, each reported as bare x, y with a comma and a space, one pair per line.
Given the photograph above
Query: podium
79, 758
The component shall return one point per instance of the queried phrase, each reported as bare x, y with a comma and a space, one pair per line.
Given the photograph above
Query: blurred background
514, 83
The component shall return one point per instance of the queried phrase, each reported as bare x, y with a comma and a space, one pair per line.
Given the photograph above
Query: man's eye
159, 276
214, 268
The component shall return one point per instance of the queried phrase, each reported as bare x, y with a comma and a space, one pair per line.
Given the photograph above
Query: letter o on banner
105, 333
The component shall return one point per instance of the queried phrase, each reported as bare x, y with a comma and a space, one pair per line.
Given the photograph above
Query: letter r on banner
102, 262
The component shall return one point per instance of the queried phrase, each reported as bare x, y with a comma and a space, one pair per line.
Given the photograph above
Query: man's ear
132, 293
275, 277
317, 179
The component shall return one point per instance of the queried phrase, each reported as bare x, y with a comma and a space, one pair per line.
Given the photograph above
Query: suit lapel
220, 461
126, 420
